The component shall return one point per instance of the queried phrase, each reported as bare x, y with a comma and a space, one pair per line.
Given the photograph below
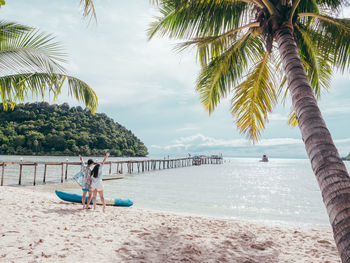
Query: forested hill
45, 129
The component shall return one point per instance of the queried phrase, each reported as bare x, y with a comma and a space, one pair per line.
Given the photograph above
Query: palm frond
316, 63
17, 87
331, 37
307, 6
191, 19
334, 5
226, 70
88, 8
82, 92
213, 46
292, 121
30, 51
11, 30
255, 98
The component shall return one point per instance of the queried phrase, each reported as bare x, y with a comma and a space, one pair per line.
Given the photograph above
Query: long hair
94, 171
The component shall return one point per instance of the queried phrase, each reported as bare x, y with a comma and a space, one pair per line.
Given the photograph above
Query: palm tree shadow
68, 210
159, 245
64, 211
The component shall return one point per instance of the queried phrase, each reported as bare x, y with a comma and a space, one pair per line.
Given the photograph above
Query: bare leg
83, 199
89, 199
94, 198
102, 200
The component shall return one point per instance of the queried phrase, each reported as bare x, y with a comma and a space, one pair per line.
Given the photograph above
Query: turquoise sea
283, 190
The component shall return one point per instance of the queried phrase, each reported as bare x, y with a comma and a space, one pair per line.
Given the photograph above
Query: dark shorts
86, 189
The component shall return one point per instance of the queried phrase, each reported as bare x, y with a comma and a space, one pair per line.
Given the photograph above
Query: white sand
36, 226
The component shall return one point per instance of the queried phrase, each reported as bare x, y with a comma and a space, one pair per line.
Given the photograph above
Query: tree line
44, 129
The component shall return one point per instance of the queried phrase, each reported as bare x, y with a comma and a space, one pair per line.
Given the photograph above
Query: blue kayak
77, 199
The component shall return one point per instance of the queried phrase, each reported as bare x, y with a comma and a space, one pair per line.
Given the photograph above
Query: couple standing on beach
91, 181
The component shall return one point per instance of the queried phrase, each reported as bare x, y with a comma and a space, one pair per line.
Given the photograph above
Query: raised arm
81, 158
103, 162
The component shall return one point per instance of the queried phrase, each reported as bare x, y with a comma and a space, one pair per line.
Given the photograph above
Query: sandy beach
36, 226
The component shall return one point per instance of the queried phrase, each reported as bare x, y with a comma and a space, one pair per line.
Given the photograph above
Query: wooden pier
130, 166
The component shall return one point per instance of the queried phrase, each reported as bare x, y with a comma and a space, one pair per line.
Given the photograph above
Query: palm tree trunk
330, 171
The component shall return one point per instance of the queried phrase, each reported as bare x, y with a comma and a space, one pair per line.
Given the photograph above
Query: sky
148, 87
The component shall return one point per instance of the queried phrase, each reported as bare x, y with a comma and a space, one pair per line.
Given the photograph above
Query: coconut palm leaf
10, 30
187, 19
332, 37
334, 5
254, 98
292, 121
316, 62
82, 92
88, 8
18, 87
307, 6
213, 46
30, 51
30, 63
225, 71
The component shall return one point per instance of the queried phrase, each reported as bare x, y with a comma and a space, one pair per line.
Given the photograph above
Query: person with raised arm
96, 183
83, 178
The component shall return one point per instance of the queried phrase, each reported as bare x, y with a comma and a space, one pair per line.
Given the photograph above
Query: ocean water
283, 190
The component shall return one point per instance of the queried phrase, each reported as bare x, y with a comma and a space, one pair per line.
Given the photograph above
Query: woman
82, 178
96, 183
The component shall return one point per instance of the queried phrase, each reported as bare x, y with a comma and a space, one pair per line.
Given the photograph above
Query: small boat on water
264, 159
75, 198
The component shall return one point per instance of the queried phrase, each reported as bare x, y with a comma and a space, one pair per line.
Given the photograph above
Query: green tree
71, 143
235, 41
19, 140
85, 150
128, 152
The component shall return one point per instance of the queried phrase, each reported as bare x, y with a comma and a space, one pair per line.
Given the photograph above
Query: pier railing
131, 166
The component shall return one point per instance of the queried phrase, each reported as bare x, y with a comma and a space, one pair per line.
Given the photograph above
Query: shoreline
38, 227
63, 187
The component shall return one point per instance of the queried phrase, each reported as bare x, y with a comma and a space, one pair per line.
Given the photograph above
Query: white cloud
279, 141
336, 110
201, 141
280, 147
278, 117
187, 127
347, 140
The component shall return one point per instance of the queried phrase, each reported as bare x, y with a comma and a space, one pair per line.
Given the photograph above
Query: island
45, 129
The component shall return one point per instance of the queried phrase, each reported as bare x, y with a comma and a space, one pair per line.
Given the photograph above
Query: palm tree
259, 51
30, 63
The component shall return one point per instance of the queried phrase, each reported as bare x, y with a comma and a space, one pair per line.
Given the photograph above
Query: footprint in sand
324, 242
258, 247
44, 255
121, 250
135, 231
143, 234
